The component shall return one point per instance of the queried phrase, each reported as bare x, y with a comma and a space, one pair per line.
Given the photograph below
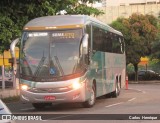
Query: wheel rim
116, 88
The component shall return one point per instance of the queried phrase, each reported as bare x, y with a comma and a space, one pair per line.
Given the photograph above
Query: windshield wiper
39, 66
28, 66
75, 67
59, 65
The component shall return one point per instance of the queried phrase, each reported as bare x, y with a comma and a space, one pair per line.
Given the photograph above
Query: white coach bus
70, 58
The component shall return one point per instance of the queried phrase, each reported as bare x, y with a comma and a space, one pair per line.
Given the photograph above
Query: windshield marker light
24, 87
37, 34
50, 27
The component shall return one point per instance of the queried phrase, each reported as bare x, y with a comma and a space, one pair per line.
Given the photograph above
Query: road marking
143, 92
25, 109
138, 90
131, 99
114, 104
120, 103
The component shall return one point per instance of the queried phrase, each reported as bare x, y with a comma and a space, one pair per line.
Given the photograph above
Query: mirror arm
12, 51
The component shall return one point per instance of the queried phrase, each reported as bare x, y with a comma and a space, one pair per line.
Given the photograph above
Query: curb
143, 82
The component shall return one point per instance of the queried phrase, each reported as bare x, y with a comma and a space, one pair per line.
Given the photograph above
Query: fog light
24, 87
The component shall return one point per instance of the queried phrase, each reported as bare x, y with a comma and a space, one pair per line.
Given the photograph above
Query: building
114, 9
128, 2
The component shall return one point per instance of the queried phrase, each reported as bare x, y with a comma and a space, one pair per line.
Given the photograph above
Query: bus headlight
76, 85
24, 87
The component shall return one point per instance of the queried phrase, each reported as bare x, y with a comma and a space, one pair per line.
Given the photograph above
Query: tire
117, 90
91, 101
40, 105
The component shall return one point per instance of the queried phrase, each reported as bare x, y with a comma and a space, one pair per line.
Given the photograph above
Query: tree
156, 46
139, 33
15, 13
155, 50
8, 30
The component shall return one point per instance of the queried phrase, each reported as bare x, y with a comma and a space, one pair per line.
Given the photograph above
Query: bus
70, 58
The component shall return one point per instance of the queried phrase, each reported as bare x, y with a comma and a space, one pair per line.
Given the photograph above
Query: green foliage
154, 64
156, 49
156, 46
152, 20
15, 13
139, 33
8, 31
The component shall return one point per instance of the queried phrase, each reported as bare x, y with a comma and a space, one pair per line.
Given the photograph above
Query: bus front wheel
91, 101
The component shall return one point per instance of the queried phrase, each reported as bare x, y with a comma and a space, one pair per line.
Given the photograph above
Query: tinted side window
107, 42
116, 44
97, 39
121, 39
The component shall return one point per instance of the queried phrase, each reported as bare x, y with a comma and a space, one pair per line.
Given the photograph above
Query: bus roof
64, 21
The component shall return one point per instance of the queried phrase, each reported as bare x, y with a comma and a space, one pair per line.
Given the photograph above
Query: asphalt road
138, 99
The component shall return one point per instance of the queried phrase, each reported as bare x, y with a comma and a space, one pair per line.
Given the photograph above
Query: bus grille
50, 90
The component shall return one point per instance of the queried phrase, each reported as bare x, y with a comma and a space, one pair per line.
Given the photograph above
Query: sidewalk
8, 93
144, 82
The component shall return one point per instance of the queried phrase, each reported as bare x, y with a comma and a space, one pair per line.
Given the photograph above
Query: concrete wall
113, 12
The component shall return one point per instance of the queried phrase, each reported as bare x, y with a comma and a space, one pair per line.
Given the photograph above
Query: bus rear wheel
117, 90
91, 101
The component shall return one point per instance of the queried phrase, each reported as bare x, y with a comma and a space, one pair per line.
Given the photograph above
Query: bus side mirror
12, 50
85, 44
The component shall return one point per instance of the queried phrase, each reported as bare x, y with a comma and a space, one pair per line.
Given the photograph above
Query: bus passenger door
98, 58
97, 69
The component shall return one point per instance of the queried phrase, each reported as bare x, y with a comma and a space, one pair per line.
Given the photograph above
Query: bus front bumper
75, 95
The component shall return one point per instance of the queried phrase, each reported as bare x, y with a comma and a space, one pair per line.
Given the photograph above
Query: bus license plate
49, 97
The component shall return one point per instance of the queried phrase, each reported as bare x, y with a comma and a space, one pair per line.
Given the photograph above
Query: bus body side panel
105, 67
114, 68
108, 73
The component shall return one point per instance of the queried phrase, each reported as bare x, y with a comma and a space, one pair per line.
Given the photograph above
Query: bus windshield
50, 54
